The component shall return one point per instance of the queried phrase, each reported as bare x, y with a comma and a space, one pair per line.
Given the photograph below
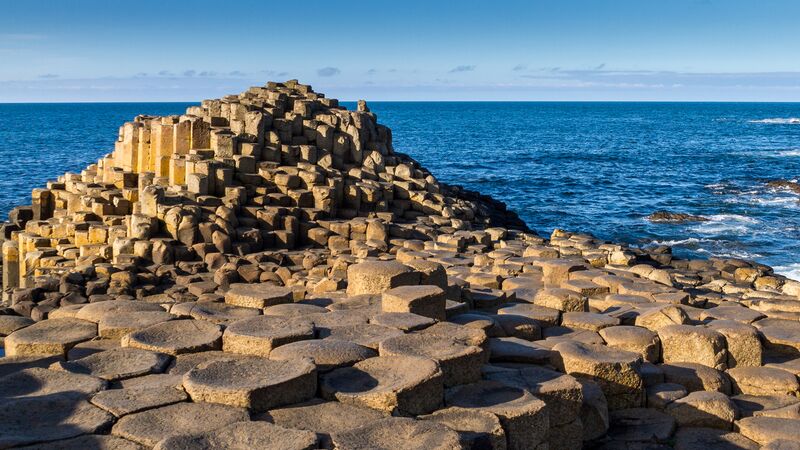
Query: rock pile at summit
266, 271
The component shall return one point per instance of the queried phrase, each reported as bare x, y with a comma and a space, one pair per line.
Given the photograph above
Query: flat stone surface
711, 438
424, 300
219, 313
121, 402
661, 316
49, 337
545, 315
258, 295
556, 335
562, 393
187, 361
742, 342
116, 364
254, 383
782, 444
369, 304
38, 382
339, 318
460, 362
323, 418
262, 334
88, 441
476, 429
395, 433
616, 371
376, 277
787, 412
402, 321
49, 418
763, 430
400, 385
151, 426
14, 364
523, 416
780, 334
10, 324
87, 348
588, 321
703, 409
686, 343
472, 320
641, 425
520, 327
516, 350
152, 381
748, 405
293, 310
696, 377
114, 326
369, 335
176, 337
95, 312
243, 435
467, 335
327, 354
662, 394
735, 312
763, 381
560, 299
633, 339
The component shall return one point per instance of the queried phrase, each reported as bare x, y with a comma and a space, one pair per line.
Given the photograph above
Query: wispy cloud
22, 36
465, 68
328, 71
48, 75
600, 77
189, 73
520, 67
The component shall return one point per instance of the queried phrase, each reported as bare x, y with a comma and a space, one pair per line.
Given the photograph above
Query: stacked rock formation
265, 271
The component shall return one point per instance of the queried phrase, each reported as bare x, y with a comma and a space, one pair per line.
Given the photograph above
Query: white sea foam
792, 152
674, 242
785, 201
790, 271
731, 218
725, 224
779, 121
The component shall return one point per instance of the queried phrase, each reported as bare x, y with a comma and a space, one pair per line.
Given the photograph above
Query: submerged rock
674, 217
793, 186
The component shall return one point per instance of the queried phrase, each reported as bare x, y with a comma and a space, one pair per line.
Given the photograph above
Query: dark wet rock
674, 217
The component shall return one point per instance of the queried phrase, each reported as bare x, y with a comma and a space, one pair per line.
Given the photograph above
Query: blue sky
402, 50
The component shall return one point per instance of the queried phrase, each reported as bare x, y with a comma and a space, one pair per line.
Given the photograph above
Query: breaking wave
778, 121
789, 271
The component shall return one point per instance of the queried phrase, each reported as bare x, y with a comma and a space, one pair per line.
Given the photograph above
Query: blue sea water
593, 167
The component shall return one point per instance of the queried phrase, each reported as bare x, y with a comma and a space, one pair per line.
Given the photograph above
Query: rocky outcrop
267, 271
674, 217
792, 186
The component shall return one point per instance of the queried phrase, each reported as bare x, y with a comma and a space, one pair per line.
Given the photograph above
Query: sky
642, 50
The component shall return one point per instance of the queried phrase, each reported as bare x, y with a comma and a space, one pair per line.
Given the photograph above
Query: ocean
596, 167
